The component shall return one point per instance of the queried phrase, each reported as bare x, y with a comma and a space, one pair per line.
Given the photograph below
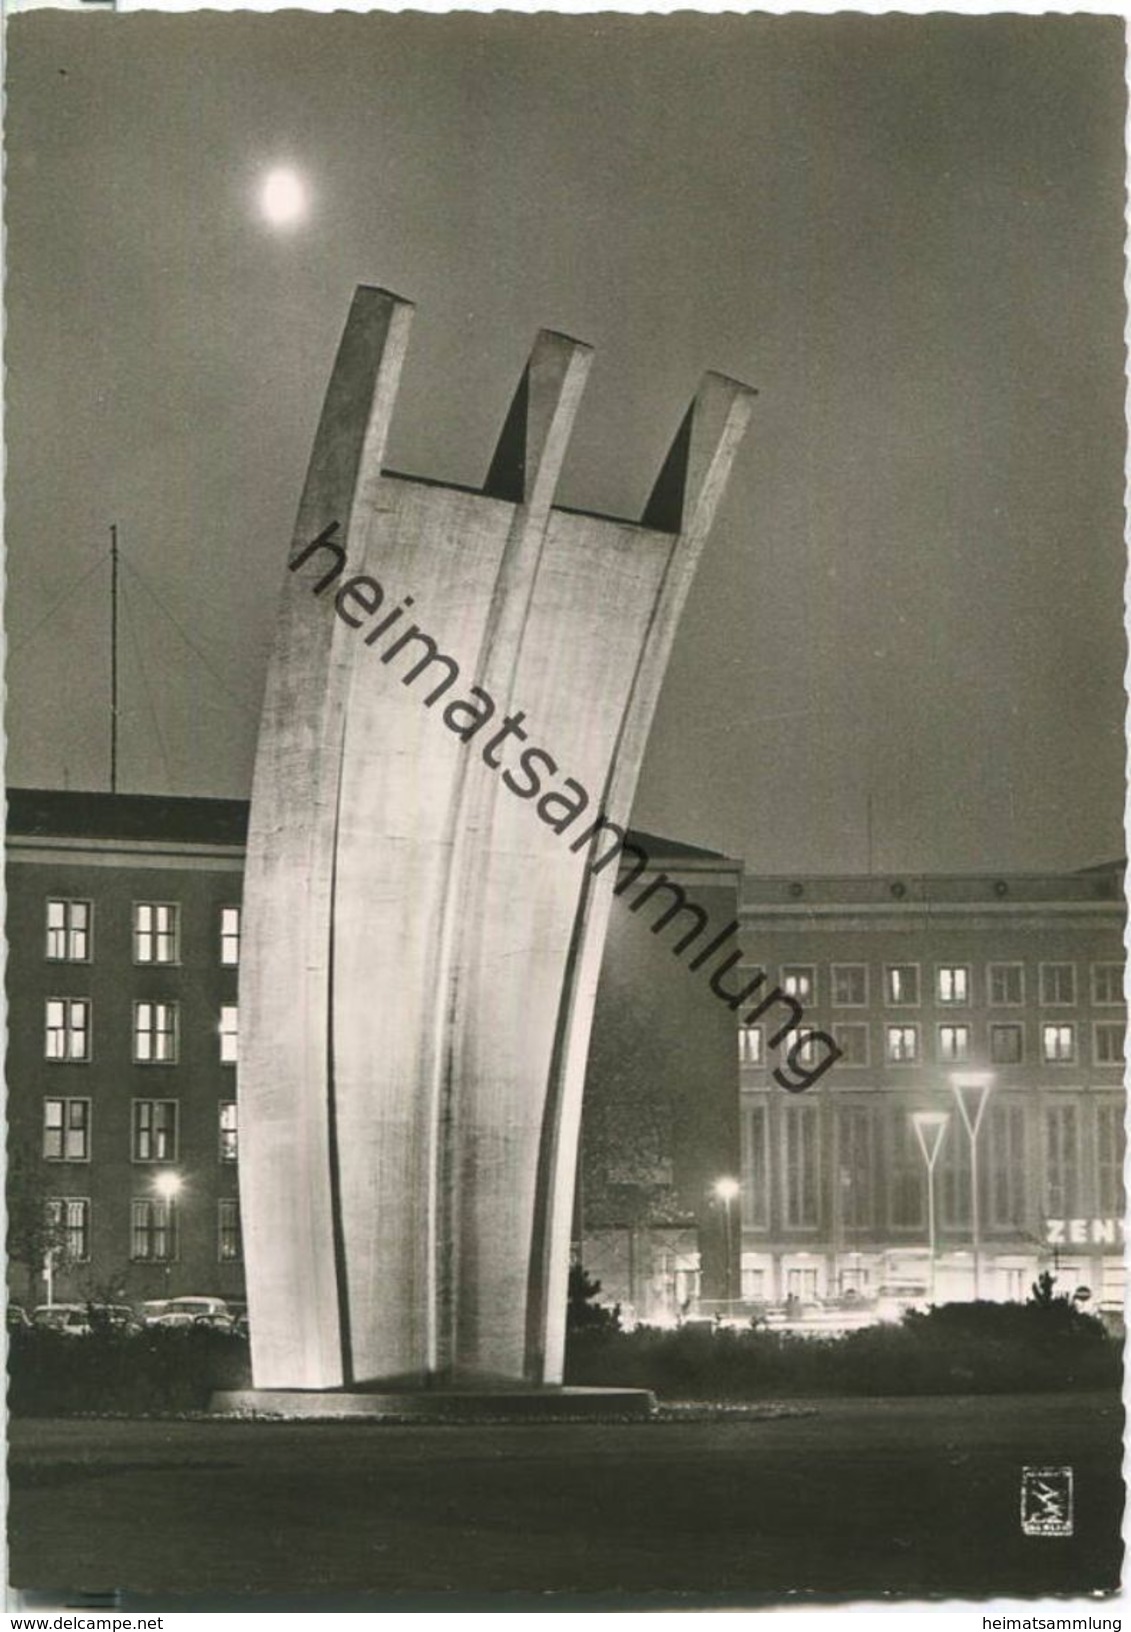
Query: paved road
857, 1498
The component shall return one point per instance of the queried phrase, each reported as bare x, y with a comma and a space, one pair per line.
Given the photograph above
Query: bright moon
283, 198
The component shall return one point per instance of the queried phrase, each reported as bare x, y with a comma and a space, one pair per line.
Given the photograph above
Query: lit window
230, 935
750, 1045
229, 1131
156, 932
799, 980
953, 983
66, 1130
903, 983
230, 1247
1058, 983
1107, 983
852, 1040
68, 1227
753, 1284
1007, 1044
1110, 1042
68, 931
954, 1044
153, 1231
155, 1130
801, 1284
803, 1050
902, 1045
1006, 984
155, 1033
1058, 1044
229, 1033
850, 985
67, 1031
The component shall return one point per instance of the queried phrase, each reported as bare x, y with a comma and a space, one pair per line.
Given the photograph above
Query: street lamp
930, 1130
971, 1090
167, 1186
727, 1189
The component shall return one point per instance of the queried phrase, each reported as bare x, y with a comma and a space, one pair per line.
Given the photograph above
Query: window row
1058, 1043
904, 984
68, 1130
156, 932
874, 1174
154, 1230
156, 1031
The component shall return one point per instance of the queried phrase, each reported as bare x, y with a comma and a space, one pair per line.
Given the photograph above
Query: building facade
1008, 990
123, 934
123, 954
123, 920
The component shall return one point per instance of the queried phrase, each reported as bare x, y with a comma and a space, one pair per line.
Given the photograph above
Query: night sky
906, 232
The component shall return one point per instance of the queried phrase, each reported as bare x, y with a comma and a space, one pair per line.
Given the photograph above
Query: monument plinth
455, 715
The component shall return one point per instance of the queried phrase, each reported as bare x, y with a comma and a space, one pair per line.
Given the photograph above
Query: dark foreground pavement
859, 1498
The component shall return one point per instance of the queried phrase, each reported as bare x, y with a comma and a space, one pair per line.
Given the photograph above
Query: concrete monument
456, 711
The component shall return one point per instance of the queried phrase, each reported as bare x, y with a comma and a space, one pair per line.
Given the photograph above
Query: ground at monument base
439, 1405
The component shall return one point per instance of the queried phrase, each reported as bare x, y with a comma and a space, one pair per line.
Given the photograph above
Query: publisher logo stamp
1046, 1501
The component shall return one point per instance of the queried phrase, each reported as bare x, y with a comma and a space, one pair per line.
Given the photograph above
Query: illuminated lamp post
167, 1187
727, 1189
971, 1090
930, 1130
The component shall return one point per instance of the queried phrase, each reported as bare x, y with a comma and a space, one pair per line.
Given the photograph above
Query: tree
583, 1313
35, 1228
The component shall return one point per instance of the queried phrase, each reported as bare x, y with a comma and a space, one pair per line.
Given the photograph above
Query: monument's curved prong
456, 712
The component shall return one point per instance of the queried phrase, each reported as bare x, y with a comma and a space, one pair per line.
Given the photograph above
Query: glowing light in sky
283, 198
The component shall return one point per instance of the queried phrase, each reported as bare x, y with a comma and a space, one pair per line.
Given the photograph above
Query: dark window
68, 1227
800, 1166
1007, 1044
230, 1246
1006, 1125
851, 1037
755, 1166
1058, 983
153, 1232
850, 985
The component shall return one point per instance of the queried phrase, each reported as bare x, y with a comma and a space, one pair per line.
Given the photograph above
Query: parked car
72, 1319
182, 1312
113, 1317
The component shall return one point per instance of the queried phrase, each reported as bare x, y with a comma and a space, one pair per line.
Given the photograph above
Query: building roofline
120, 820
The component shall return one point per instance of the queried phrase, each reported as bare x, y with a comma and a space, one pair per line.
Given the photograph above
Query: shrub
156, 1370
957, 1348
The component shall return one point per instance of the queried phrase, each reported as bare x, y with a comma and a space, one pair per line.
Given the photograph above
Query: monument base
495, 1405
